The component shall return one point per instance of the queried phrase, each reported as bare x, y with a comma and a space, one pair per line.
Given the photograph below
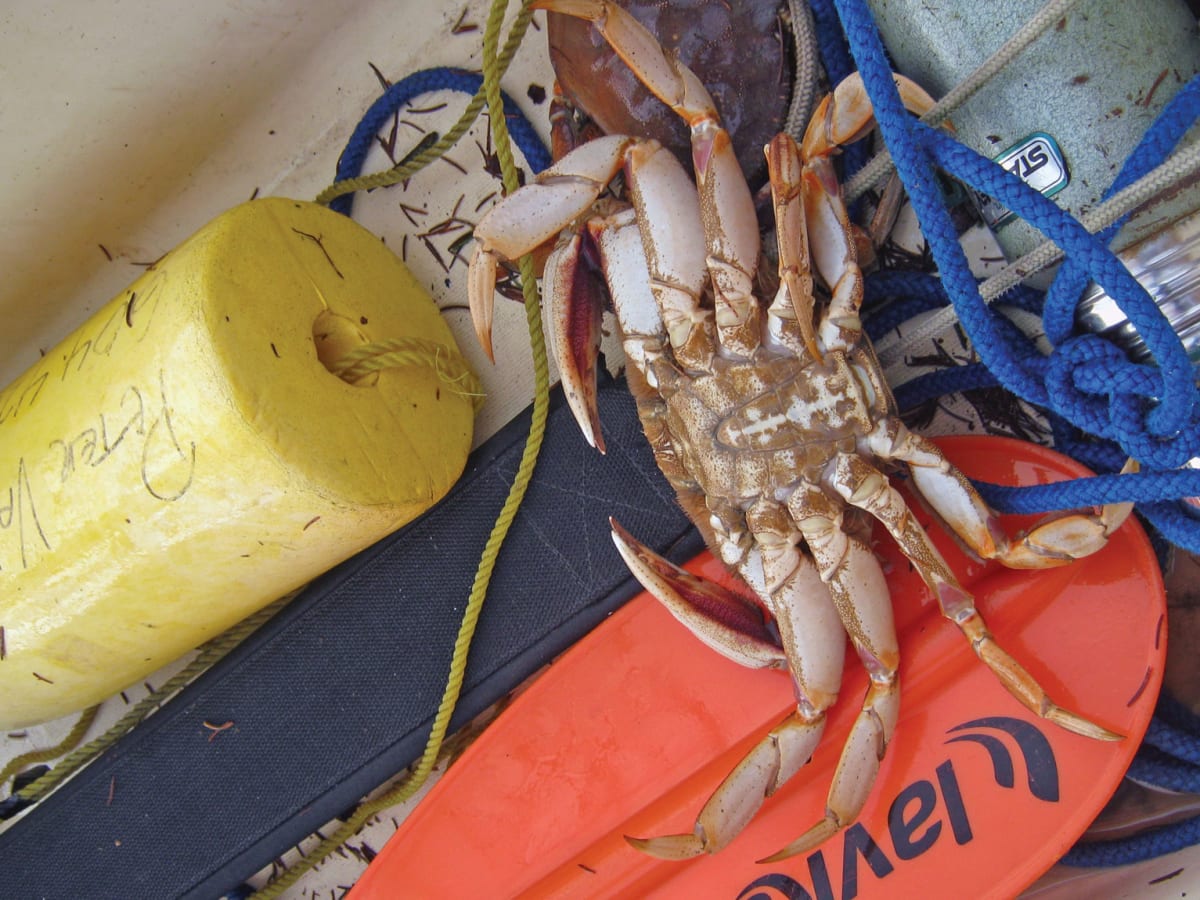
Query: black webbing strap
336, 694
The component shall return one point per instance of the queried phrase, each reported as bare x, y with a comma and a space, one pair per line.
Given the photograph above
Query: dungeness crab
770, 419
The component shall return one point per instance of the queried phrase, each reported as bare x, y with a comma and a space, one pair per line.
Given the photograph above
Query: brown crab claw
733, 625
481, 296
575, 329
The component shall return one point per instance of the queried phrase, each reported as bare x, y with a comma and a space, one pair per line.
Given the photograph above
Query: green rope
400, 353
493, 67
414, 163
368, 359
208, 654
18, 763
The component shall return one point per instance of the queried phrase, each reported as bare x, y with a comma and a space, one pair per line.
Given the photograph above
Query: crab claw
733, 625
481, 296
533, 215
1062, 539
575, 329
845, 115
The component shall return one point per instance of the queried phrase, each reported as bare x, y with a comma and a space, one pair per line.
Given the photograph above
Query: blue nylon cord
1085, 384
406, 90
1168, 758
1138, 848
1156, 145
1151, 412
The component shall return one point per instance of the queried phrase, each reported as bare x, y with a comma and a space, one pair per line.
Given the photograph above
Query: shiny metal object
1168, 265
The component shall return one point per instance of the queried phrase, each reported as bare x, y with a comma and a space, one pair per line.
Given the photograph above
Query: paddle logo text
922, 814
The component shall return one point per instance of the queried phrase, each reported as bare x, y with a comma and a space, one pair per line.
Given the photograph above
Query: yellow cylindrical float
187, 456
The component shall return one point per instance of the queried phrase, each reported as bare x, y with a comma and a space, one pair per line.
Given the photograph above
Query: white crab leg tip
481, 296
671, 847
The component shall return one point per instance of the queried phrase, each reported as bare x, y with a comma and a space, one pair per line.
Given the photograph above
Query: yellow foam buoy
188, 455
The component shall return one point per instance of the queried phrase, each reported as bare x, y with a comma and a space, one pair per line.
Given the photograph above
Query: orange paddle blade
632, 729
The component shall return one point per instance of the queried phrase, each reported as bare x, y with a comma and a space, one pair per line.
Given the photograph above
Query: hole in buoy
335, 336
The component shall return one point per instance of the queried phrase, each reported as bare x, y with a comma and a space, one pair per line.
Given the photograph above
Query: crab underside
769, 417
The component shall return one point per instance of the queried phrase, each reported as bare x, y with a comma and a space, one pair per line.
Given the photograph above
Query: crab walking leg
814, 231
770, 763
859, 595
668, 217
866, 487
730, 223
845, 115
842, 117
532, 215
813, 649
1055, 541
859, 591
790, 315
831, 242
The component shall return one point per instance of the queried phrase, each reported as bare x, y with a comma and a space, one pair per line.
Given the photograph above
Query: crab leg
813, 230
653, 264
869, 489
731, 226
557, 199
812, 639
860, 596
531, 216
1055, 541
790, 315
669, 218
813, 606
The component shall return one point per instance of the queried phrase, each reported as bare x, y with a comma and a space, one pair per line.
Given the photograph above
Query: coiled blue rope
1149, 412
406, 90
1170, 755
1168, 758
1087, 385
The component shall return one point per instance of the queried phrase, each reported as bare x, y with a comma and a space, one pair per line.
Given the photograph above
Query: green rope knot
403, 353
493, 68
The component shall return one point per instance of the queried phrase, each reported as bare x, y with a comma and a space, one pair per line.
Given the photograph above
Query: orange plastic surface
631, 730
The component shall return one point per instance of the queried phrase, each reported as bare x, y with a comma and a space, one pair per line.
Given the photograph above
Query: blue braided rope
897, 295
406, 90
933, 385
1168, 758
1154, 148
1146, 845
1147, 412
1150, 412
910, 293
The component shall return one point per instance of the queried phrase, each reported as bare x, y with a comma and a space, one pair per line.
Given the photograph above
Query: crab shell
768, 415
736, 49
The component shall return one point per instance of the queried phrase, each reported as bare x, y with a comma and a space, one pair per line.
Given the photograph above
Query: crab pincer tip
671, 847
1077, 724
816, 835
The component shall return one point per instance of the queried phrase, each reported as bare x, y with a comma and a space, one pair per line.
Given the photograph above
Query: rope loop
409, 352
1156, 144
1067, 368
1148, 411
